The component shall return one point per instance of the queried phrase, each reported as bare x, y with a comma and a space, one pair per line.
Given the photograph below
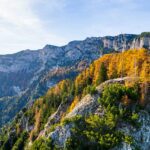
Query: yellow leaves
75, 101
132, 63
37, 124
18, 129
125, 100
96, 71
145, 73
91, 70
96, 77
112, 70
37, 120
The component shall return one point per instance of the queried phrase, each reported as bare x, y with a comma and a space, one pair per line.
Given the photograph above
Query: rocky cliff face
141, 135
126, 41
26, 75
118, 43
141, 42
89, 105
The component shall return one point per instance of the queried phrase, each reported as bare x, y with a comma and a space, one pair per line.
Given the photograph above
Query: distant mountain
27, 75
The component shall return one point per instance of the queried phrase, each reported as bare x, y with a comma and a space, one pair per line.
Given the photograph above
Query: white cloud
33, 23
21, 28
17, 12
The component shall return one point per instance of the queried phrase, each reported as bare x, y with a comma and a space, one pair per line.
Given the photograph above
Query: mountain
106, 106
27, 75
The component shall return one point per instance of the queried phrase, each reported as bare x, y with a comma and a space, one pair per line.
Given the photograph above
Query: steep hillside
27, 75
86, 110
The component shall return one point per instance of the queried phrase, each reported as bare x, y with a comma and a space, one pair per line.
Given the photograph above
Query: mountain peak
48, 47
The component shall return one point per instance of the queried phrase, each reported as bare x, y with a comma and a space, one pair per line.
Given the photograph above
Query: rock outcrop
141, 135
86, 106
89, 105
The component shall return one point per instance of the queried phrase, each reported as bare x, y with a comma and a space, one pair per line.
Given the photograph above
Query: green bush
100, 133
128, 139
93, 133
113, 94
42, 144
20, 143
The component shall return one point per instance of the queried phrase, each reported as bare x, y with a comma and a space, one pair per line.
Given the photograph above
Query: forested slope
50, 111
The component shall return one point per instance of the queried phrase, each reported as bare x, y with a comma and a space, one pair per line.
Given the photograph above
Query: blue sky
31, 24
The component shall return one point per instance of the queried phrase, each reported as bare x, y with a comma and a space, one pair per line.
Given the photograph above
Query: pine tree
102, 74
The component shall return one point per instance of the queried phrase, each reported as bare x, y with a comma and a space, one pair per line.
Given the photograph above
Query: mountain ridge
50, 45
39, 70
